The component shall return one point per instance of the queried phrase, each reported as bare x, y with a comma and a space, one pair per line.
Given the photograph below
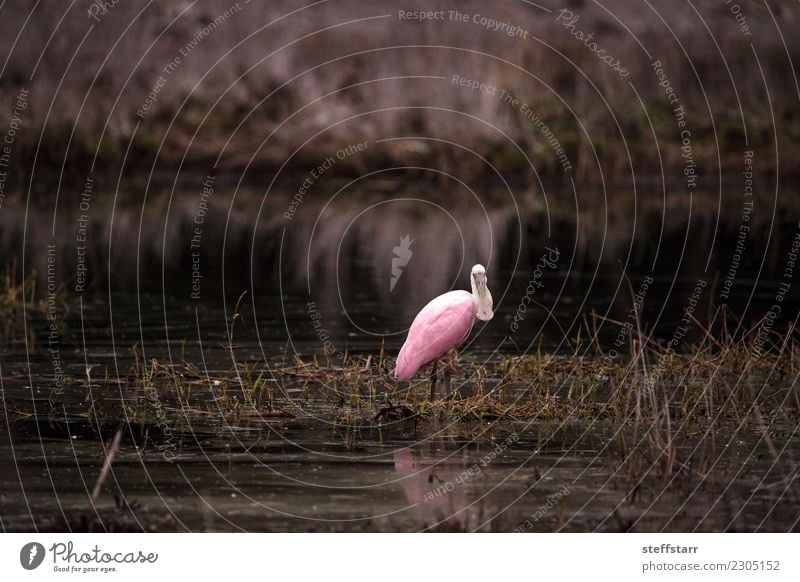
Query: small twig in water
112, 452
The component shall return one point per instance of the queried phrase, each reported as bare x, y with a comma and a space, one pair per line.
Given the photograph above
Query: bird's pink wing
442, 324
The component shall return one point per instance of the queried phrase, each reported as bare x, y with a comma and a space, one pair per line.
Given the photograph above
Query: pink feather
442, 324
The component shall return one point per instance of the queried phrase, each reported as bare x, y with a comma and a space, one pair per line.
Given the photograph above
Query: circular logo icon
31, 555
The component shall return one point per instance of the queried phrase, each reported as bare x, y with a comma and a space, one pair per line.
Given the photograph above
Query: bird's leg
448, 369
450, 365
433, 379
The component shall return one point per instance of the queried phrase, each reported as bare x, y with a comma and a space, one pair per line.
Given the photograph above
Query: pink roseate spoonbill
443, 324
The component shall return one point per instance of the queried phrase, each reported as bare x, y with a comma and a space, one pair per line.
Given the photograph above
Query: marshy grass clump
719, 380
12, 296
22, 298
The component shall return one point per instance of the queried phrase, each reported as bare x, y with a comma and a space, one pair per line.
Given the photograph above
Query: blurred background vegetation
280, 86
250, 73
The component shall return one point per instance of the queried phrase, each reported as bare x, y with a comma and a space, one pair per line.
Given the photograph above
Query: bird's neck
483, 301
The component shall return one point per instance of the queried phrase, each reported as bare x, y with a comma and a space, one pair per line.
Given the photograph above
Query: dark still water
307, 475
311, 468
353, 266
199, 288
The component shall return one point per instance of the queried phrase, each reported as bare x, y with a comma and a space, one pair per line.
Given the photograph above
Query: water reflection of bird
435, 501
443, 324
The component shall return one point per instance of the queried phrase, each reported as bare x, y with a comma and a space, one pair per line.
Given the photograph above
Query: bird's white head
480, 292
